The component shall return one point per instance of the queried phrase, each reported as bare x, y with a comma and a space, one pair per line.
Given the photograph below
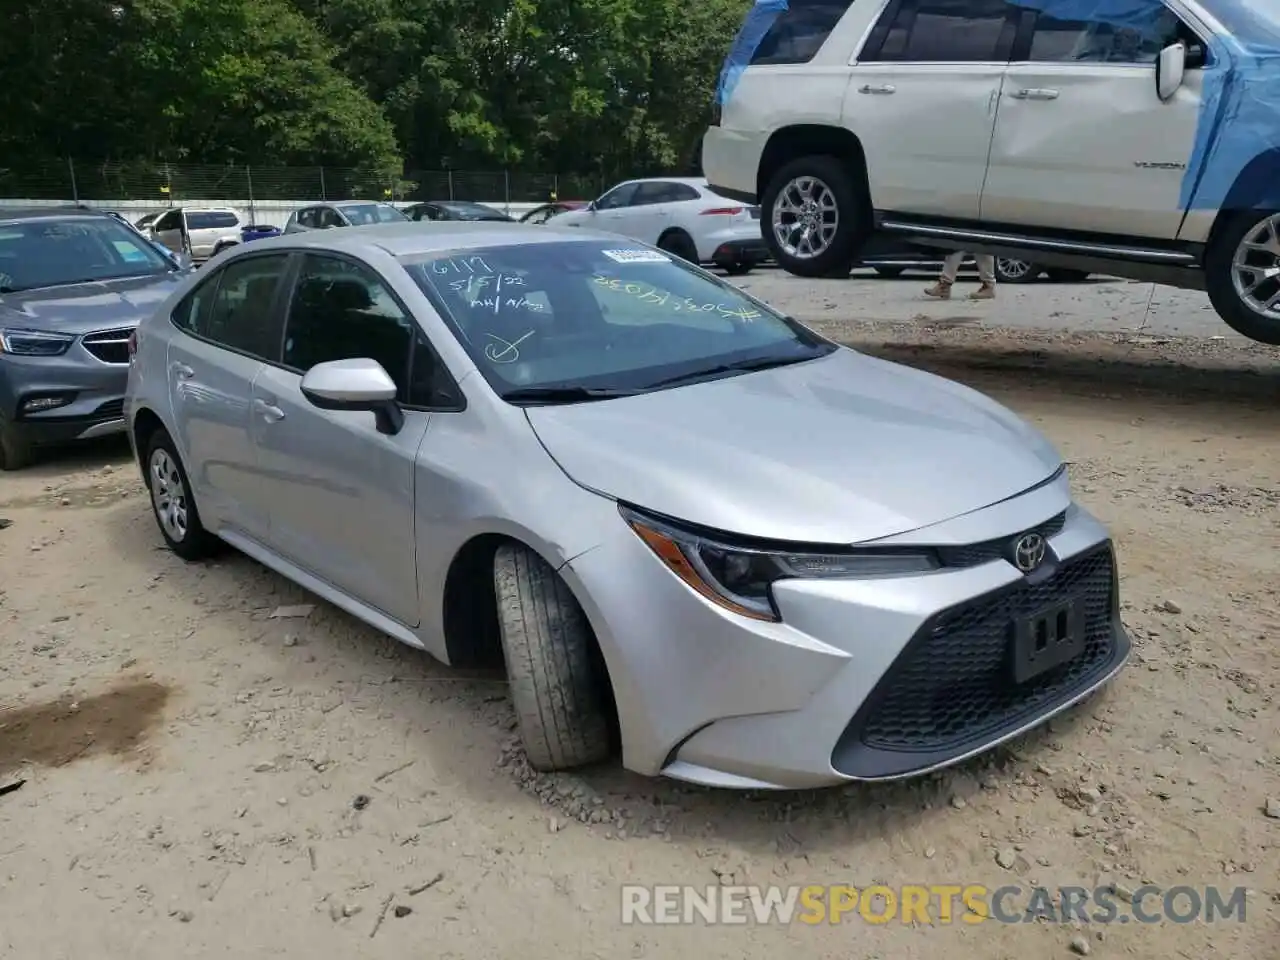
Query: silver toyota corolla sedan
691, 528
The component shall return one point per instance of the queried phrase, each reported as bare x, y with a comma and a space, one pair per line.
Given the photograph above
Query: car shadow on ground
55, 462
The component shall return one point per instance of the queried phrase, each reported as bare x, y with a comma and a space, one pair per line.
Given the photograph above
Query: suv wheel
813, 219
15, 451
1242, 275
1009, 270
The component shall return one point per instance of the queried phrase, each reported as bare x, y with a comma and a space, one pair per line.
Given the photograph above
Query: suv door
341, 493
229, 324
168, 230
1082, 141
923, 101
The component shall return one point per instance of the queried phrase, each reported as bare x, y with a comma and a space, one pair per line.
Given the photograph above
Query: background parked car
891, 257
456, 210
201, 232
258, 231
548, 210
681, 215
144, 222
348, 213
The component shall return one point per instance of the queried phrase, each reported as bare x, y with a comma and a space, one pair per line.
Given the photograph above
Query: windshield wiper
741, 366
564, 394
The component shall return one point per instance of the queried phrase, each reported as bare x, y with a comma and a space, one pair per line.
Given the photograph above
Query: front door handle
269, 411
1036, 93
877, 88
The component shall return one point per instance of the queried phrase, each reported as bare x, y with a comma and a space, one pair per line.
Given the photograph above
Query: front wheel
554, 679
1009, 270
1242, 275
814, 220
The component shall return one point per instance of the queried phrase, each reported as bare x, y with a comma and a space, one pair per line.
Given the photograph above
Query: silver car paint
702, 694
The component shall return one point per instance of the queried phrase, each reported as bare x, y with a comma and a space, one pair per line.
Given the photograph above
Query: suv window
945, 31
618, 197
212, 219
662, 192
342, 310
800, 31
1104, 40
234, 308
169, 221
328, 217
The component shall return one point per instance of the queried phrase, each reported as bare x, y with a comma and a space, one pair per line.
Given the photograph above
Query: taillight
722, 212
133, 343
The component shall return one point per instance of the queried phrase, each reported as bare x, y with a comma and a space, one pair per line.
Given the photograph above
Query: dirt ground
202, 780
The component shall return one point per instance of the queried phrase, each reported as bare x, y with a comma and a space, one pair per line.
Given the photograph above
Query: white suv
1139, 139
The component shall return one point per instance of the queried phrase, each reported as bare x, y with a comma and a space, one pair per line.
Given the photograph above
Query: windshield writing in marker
645, 293
460, 265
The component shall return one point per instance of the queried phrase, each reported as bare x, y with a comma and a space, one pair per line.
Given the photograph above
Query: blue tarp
1239, 119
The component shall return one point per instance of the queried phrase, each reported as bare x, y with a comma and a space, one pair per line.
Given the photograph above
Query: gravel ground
203, 780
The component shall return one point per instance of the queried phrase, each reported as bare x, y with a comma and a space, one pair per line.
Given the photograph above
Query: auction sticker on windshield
636, 256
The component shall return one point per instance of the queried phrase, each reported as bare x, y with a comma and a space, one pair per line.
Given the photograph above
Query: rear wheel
15, 451
171, 501
1242, 274
814, 218
679, 244
1010, 270
555, 683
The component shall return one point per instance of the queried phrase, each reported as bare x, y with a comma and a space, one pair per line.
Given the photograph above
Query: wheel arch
1256, 187
812, 139
145, 424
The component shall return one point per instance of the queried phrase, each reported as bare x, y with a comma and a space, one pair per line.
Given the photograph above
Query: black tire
15, 451
679, 244
192, 542
889, 273
1067, 276
1012, 270
1218, 267
555, 685
853, 223
738, 269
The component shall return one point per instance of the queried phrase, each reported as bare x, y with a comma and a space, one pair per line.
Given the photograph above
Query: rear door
923, 100
229, 324
649, 213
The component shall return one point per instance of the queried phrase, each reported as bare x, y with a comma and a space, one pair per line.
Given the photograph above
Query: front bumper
862, 680
92, 393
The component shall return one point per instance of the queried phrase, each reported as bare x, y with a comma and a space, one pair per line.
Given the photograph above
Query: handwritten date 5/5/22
662, 298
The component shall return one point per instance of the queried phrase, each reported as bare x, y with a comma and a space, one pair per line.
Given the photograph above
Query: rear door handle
1036, 93
182, 371
269, 411
877, 88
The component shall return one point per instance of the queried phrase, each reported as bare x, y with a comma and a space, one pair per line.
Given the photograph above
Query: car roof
350, 203
413, 239
691, 181
67, 212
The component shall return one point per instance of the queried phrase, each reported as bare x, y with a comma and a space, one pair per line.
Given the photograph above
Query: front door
923, 100
341, 494
168, 231
229, 324
1083, 142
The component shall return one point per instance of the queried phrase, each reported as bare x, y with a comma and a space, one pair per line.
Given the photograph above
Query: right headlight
739, 577
34, 343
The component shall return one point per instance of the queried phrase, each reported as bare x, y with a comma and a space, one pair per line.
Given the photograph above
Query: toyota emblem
1028, 552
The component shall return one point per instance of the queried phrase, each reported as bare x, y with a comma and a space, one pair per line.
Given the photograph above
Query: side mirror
591, 207
359, 384
1171, 68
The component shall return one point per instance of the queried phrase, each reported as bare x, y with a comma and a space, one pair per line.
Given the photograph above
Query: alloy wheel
805, 218
1013, 269
1255, 268
168, 495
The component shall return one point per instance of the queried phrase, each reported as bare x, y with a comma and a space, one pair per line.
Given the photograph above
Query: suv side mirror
1171, 68
358, 384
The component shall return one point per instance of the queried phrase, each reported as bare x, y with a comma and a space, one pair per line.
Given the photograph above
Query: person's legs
987, 278
941, 290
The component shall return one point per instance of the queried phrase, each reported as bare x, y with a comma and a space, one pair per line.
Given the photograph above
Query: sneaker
939, 291
985, 292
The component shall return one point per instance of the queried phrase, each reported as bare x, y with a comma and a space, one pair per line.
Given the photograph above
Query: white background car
681, 215
208, 230
989, 126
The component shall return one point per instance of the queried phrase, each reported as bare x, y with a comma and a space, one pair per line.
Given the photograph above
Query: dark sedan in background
456, 210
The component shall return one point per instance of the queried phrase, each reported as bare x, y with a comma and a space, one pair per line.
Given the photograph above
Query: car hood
843, 449
84, 307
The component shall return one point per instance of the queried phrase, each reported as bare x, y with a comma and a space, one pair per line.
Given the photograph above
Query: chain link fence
164, 184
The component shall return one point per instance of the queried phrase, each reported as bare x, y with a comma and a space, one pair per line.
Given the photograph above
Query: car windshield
53, 253
365, 213
601, 317
474, 211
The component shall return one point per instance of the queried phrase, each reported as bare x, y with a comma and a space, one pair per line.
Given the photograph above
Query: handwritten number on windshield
461, 265
647, 294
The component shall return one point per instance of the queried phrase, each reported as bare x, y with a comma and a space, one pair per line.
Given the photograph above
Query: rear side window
944, 31
800, 31
234, 308
212, 220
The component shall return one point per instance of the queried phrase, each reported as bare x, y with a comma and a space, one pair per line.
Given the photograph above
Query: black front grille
952, 687
109, 346
112, 408
970, 555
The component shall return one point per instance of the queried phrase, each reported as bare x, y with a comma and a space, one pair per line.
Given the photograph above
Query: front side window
1107, 38
170, 221
343, 310
800, 31
601, 315
618, 197
55, 253
239, 313
944, 31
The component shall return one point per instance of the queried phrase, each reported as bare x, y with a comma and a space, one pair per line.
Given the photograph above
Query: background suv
1132, 139
202, 232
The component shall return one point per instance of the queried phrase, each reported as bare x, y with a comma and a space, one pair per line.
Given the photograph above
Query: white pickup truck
1137, 138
